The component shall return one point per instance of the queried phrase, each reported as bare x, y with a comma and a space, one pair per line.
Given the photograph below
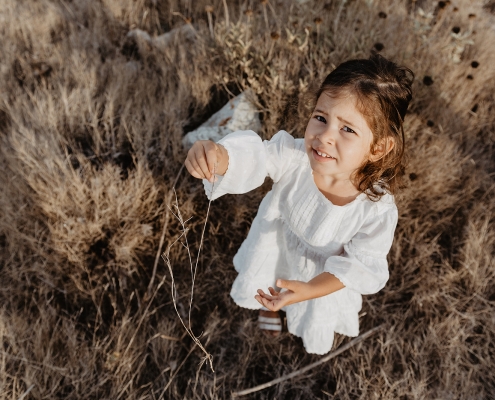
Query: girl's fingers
265, 303
262, 294
197, 169
211, 156
203, 158
192, 165
201, 161
273, 291
267, 296
191, 169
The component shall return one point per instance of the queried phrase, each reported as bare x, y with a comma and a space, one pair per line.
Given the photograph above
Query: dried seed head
475, 64
248, 12
275, 35
188, 21
309, 28
470, 77
318, 21
209, 9
383, 15
41, 69
430, 123
427, 80
456, 29
442, 4
378, 46
295, 24
455, 9
472, 16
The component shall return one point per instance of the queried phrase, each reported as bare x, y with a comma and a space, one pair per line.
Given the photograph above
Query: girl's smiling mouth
321, 156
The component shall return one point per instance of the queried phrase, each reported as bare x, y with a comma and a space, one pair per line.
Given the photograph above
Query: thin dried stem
210, 22
337, 18
175, 373
186, 20
227, 20
265, 14
199, 252
301, 371
27, 392
208, 357
162, 237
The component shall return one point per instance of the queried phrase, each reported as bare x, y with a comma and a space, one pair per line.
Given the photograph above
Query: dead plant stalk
301, 371
208, 357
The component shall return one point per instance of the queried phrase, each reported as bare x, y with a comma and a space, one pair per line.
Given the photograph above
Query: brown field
91, 123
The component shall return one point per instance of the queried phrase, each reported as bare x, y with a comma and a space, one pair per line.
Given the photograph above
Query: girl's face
337, 138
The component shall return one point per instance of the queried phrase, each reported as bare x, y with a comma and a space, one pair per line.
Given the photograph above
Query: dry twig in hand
208, 357
162, 237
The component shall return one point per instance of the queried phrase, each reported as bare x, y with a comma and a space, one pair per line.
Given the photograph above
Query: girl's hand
296, 291
207, 158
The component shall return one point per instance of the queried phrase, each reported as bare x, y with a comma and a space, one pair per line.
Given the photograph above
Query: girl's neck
339, 192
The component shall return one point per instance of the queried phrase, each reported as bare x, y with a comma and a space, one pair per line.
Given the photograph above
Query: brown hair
383, 91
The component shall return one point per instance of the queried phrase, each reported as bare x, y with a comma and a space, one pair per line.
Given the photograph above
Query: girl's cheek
309, 128
317, 129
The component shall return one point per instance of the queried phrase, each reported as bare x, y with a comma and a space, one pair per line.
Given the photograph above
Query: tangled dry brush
91, 121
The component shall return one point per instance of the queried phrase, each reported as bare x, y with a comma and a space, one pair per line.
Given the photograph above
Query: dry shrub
90, 126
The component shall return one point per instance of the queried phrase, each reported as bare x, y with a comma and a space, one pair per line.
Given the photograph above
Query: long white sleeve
251, 160
363, 267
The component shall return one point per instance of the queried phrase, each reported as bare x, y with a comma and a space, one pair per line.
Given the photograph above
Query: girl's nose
328, 135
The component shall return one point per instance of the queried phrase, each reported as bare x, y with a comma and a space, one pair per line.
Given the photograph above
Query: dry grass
90, 130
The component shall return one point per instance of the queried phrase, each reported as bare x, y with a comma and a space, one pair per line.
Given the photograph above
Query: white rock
163, 41
145, 42
238, 114
131, 67
141, 38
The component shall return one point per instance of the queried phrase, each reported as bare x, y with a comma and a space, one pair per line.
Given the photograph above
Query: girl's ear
382, 148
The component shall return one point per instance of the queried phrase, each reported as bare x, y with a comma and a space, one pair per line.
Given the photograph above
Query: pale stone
131, 67
185, 31
145, 42
141, 38
238, 114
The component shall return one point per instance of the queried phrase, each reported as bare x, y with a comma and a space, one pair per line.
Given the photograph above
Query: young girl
323, 232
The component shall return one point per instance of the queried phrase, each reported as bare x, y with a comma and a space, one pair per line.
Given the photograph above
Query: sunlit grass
91, 123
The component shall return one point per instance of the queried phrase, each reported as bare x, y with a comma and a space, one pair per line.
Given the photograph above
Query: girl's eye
347, 129
321, 119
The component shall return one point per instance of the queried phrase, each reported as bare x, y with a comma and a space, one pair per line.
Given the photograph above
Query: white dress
298, 234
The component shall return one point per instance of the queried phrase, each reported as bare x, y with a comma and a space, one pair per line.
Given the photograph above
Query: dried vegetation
90, 127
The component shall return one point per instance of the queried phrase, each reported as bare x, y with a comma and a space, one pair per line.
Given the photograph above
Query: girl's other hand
295, 292
205, 159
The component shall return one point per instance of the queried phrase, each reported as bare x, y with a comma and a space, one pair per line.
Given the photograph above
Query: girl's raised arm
244, 161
